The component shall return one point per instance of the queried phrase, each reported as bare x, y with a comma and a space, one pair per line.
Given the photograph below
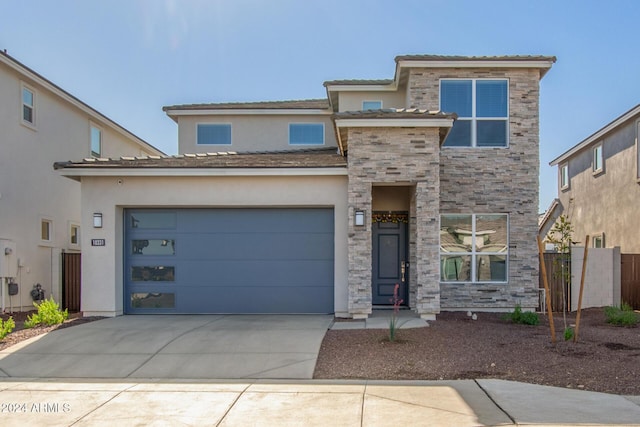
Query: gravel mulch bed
20, 333
606, 358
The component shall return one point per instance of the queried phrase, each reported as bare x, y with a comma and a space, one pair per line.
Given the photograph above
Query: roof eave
596, 135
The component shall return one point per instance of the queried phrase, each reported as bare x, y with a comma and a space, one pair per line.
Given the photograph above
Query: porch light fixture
97, 220
359, 218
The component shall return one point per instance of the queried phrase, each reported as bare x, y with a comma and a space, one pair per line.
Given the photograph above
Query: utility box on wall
8, 258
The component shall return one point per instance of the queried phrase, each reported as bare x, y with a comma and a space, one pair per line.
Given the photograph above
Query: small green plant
48, 314
568, 334
524, 318
6, 327
621, 316
393, 322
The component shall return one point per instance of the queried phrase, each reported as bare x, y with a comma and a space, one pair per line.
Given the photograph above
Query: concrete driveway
178, 346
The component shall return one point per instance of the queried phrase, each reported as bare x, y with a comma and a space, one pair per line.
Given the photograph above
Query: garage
266, 260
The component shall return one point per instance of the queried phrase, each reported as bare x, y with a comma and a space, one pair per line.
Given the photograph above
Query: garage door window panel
151, 220
153, 274
153, 300
153, 247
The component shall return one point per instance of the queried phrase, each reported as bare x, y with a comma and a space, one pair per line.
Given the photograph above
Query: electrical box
8, 258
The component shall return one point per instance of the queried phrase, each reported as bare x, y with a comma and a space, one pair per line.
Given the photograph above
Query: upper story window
598, 241
482, 107
371, 105
95, 141
564, 176
46, 231
306, 134
214, 134
28, 106
474, 248
74, 234
598, 160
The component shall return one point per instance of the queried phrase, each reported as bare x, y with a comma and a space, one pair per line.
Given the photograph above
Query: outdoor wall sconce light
97, 220
359, 218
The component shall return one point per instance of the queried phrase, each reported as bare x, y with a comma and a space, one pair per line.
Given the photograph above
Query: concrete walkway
174, 346
309, 403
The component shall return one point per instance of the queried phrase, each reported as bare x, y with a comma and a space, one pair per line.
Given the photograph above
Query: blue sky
129, 58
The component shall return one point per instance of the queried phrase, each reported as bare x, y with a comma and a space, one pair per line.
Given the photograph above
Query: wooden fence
71, 283
630, 279
555, 263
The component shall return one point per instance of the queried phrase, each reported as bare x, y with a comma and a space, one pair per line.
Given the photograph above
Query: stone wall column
427, 249
360, 245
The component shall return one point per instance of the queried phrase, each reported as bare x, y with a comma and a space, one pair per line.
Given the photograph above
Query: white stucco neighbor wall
102, 266
602, 277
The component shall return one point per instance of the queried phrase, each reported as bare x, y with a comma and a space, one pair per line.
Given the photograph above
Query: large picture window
474, 248
482, 107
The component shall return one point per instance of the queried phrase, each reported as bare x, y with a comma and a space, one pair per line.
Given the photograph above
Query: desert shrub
621, 316
6, 327
48, 314
568, 334
524, 318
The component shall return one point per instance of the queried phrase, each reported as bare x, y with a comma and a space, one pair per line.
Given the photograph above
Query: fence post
543, 267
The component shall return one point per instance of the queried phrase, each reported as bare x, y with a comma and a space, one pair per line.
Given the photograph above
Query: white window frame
99, 129
306, 123
198, 144
473, 254
561, 179
46, 220
72, 225
474, 119
598, 169
372, 100
598, 237
30, 124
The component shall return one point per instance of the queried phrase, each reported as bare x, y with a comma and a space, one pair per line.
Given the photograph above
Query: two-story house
599, 185
427, 181
41, 123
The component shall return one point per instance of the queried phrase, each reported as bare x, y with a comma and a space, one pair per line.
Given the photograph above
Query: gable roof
597, 135
32, 76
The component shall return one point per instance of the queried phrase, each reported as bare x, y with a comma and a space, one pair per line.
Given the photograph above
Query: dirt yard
606, 358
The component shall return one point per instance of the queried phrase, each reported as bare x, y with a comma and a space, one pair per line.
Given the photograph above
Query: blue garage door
229, 261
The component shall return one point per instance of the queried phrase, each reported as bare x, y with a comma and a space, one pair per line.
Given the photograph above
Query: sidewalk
54, 402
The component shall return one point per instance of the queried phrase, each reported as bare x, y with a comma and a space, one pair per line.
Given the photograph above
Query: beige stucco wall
602, 285
352, 101
102, 270
265, 132
606, 202
29, 187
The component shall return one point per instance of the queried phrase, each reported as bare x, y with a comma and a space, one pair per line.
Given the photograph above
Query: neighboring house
428, 180
599, 185
40, 210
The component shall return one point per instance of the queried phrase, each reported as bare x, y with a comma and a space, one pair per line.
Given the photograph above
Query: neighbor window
482, 107
46, 230
564, 176
96, 141
74, 235
597, 158
474, 248
28, 106
214, 134
371, 105
598, 241
306, 134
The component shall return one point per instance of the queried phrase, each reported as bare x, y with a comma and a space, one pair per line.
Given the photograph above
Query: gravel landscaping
606, 358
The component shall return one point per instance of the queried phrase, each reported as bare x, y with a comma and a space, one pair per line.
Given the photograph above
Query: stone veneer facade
400, 156
451, 180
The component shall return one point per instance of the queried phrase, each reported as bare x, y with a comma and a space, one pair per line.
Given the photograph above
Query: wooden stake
547, 293
584, 270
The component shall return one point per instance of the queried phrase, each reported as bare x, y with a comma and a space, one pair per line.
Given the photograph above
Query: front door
390, 266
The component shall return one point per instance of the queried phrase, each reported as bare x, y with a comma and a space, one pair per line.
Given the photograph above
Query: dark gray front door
229, 261
389, 262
